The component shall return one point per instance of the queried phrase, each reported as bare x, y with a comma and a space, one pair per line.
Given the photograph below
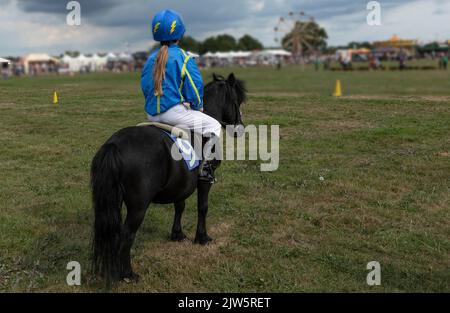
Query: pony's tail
159, 72
107, 196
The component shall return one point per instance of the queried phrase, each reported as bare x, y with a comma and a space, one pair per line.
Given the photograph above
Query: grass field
383, 150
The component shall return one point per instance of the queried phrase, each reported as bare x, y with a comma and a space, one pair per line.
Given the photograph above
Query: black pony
135, 166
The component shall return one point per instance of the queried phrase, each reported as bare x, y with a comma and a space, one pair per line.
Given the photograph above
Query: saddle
184, 145
178, 132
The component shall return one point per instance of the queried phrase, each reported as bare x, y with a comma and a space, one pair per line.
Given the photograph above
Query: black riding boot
209, 164
206, 172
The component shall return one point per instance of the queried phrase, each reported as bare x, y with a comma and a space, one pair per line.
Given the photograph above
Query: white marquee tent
43, 59
269, 56
125, 57
82, 62
228, 55
275, 52
247, 54
4, 70
193, 55
99, 62
272, 56
112, 57
120, 57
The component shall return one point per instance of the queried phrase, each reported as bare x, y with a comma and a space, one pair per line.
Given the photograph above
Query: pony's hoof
131, 278
202, 240
178, 237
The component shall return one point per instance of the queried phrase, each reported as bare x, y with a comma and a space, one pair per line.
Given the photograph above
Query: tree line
220, 43
310, 35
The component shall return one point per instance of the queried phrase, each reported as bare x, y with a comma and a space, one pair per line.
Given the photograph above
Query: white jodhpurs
185, 118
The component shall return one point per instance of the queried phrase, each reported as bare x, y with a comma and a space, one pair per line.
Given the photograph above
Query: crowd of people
377, 62
341, 60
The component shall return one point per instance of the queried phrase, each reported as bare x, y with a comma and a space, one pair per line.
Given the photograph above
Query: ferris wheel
296, 25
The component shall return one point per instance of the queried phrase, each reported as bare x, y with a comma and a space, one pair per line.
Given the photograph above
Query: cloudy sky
108, 25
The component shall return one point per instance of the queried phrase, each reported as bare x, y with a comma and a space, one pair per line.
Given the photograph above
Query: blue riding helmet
168, 26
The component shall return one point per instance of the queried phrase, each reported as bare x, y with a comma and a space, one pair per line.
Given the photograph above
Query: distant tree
249, 43
187, 43
190, 44
220, 43
209, 45
72, 54
330, 49
226, 42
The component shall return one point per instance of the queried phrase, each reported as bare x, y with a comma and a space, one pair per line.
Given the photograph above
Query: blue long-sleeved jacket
183, 82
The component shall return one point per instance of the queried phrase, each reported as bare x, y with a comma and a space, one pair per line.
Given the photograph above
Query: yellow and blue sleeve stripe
193, 93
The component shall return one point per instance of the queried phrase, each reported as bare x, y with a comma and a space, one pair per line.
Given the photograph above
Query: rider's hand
187, 105
201, 109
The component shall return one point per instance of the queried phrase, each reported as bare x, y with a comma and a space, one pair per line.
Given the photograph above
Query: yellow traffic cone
55, 98
338, 89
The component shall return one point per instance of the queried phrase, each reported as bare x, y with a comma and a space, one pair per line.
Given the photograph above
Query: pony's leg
201, 236
177, 231
135, 216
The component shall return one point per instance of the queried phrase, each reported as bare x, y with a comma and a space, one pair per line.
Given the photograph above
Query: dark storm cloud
216, 14
114, 21
209, 15
58, 6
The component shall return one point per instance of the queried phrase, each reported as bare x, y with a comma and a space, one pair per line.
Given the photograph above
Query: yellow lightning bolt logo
174, 24
156, 27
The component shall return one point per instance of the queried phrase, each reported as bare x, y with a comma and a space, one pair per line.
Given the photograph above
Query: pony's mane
241, 91
239, 86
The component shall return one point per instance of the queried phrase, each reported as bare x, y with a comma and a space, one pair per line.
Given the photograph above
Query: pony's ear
218, 78
232, 79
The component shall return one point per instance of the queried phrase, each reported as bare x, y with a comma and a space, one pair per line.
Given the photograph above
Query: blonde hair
159, 72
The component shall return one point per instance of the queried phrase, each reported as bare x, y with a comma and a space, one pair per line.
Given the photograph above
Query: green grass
383, 149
